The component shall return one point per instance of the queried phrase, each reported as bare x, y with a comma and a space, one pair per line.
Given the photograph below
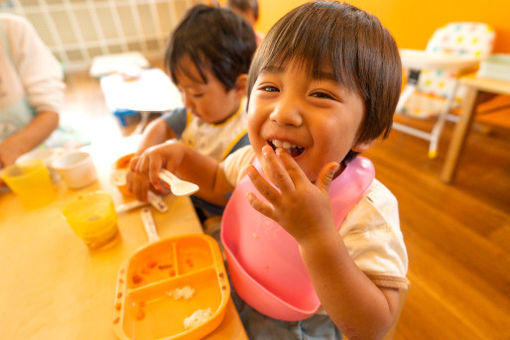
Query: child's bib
263, 259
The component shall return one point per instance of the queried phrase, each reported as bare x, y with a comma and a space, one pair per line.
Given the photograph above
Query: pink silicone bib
263, 259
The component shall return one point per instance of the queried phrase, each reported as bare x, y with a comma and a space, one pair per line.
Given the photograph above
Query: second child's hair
244, 6
352, 45
213, 38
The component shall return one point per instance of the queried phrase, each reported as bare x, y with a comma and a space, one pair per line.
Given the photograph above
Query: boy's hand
167, 155
299, 206
139, 184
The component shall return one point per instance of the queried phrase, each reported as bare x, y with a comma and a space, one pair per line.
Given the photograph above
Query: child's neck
223, 120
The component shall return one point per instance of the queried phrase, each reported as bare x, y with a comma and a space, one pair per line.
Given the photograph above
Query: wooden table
476, 88
53, 287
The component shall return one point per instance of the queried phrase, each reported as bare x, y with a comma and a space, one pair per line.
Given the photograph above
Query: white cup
76, 169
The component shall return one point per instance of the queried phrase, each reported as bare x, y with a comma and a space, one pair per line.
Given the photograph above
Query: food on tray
137, 279
197, 318
185, 293
140, 314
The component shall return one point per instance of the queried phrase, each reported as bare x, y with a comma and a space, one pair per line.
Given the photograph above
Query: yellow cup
93, 218
31, 182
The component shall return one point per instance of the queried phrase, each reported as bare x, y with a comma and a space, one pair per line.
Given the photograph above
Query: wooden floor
457, 236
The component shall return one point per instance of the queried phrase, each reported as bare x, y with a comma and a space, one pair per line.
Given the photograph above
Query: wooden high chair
432, 81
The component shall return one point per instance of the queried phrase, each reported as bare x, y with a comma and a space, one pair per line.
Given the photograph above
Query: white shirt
33, 71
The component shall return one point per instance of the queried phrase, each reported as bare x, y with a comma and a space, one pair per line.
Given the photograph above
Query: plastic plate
164, 284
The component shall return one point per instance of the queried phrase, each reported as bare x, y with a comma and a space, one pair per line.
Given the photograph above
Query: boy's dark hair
245, 5
346, 41
213, 38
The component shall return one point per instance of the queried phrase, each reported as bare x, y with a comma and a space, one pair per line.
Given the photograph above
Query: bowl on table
76, 169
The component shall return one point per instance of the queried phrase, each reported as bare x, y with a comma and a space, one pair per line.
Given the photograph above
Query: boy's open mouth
293, 150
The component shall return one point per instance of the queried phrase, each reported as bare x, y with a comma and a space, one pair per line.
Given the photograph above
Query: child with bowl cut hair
208, 57
312, 239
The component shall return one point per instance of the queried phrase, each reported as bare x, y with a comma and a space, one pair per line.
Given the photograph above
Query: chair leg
435, 134
404, 96
143, 121
412, 81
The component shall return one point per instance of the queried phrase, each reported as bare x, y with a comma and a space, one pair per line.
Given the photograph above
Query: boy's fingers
142, 191
326, 175
294, 171
135, 189
275, 170
262, 207
265, 189
155, 165
133, 163
131, 184
140, 164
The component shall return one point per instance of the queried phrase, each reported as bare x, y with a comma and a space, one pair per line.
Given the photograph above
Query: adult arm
29, 137
40, 72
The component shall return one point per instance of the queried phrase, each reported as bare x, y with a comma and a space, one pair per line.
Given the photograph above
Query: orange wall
410, 21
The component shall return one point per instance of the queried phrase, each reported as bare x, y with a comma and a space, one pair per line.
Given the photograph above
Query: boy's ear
363, 146
241, 83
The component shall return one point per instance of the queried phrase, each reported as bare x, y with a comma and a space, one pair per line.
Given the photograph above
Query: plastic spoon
149, 225
178, 186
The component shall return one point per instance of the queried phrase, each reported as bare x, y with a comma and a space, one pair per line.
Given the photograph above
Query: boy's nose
287, 112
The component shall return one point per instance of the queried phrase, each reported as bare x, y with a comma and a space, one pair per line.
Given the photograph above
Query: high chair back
433, 92
460, 38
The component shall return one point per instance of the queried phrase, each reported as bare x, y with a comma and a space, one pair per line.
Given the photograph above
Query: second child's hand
168, 155
298, 205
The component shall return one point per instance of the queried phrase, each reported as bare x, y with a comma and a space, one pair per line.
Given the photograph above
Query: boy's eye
321, 95
270, 89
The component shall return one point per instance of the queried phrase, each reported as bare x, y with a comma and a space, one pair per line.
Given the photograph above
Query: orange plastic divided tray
147, 305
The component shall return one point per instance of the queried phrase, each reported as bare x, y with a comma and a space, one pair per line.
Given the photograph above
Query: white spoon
149, 225
178, 186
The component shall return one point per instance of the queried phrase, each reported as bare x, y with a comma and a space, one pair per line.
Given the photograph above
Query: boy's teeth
293, 150
284, 145
277, 143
